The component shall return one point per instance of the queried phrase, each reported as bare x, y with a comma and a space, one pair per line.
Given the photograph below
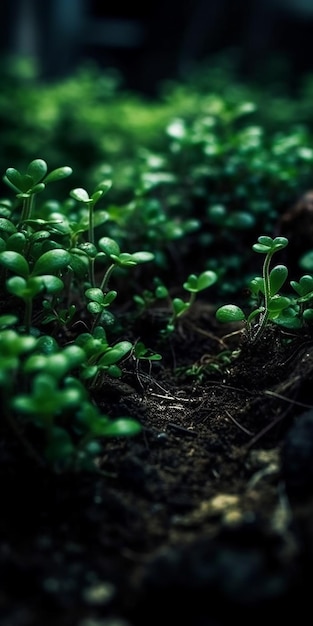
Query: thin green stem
91, 233
267, 294
106, 277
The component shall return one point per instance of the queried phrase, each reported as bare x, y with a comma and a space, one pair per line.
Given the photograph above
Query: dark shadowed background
150, 42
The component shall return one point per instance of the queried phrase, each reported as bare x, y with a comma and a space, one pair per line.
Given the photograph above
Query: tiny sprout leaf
15, 262
7, 226
96, 196
308, 315
278, 303
37, 169
142, 257
14, 177
116, 353
179, 306
230, 313
304, 286
94, 308
38, 188
52, 284
121, 427
278, 276
104, 186
94, 293
52, 261
58, 174
206, 279
80, 194
16, 286
109, 246
256, 285
265, 241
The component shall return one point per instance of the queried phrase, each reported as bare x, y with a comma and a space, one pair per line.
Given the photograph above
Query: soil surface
203, 518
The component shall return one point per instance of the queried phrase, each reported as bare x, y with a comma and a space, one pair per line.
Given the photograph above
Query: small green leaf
230, 313
16, 242
58, 174
277, 278
7, 226
38, 188
308, 315
179, 306
94, 308
121, 427
47, 344
104, 186
80, 194
14, 177
256, 285
278, 303
51, 283
37, 169
109, 246
265, 241
52, 261
15, 262
116, 353
304, 286
94, 293
142, 257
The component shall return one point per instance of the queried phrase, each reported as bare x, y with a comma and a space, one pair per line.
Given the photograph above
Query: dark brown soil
202, 519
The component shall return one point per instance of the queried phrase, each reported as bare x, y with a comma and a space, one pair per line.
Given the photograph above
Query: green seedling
26, 284
289, 311
99, 302
111, 249
271, 305
194, 284
32, 182
100, 356
40, 387
81, 195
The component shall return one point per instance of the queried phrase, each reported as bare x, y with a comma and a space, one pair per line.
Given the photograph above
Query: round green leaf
230, 313
52, 284
94, 293
15, 262
278, 276
52, 261
47, 344
308, 315
7, 226
37, 169
80, 194
278, 303
109, 246
94, 308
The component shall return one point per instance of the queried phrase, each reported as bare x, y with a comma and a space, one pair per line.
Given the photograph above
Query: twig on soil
245, 430
182, 430
280, 397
